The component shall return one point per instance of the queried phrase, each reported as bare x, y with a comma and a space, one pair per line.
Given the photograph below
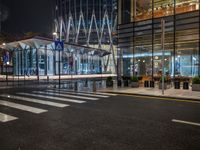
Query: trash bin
176, 85
75, 86
119, 82
152, 85
185, 85
125, 83
146, 83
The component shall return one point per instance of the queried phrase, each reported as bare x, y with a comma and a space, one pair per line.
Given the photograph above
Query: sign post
59, 46
6, 62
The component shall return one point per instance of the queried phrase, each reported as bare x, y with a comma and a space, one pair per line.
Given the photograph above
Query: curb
154, 96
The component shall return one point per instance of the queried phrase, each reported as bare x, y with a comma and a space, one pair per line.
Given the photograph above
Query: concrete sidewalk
170, 93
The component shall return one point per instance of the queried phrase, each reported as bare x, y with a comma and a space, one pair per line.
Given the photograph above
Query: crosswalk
58, 98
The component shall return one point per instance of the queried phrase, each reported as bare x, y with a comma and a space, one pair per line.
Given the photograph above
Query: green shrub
134, 79
196, 80
109, 78
165, 79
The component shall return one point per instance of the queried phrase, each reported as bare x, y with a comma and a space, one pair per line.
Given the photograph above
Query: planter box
109, 83
195, 87
135, 84
165, 86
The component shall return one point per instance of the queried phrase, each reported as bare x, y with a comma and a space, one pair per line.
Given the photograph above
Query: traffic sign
59, 45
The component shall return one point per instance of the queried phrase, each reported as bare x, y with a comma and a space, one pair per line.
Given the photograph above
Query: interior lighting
54, 33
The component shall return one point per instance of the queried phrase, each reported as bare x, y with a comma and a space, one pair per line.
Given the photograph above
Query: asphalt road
106, 123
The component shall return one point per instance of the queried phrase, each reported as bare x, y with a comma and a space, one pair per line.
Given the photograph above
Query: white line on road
22, 107
52, 97
6, 118
185, 122
65, 95
33, 100
77, 93
100, 93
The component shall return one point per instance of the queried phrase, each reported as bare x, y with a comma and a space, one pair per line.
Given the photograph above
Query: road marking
65, 95
161, 98
100, 93
33, 100
77, 93
185, 122
22, 107
6, 118
53, 98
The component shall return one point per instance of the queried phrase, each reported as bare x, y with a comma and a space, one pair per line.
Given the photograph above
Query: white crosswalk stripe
99, 93
65, 95
52, 97
77, 93
22, 107
6, 118
33, 100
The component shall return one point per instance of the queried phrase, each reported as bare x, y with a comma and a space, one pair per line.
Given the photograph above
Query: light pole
163, 52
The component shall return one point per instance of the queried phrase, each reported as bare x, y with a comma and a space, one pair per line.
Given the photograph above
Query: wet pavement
48, 118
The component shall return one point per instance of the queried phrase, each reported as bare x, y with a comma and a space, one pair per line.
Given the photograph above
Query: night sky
28, 16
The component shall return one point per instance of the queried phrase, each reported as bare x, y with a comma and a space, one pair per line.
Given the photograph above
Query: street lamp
163, 52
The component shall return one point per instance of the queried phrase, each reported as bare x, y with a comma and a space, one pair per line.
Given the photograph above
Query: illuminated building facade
91, 23
139, 37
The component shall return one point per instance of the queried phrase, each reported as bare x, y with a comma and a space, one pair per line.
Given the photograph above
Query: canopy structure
39, 42
38, 56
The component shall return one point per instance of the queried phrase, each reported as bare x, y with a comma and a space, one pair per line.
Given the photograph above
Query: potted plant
134, 81
165, 83
196, 84
109, 81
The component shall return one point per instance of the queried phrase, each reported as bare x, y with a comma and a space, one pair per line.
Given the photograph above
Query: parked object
152, 84
146, 83
126, 81
177, 84
109, 82
196, 84
185, 85
119, 82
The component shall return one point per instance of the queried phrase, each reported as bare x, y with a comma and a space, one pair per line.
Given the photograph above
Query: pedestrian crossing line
66, 95
53, 98
77, 93
33, 100
100, 93
6, 118
22, 107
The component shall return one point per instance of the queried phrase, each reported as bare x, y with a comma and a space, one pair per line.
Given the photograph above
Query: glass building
91, 23
38, 56
139, 37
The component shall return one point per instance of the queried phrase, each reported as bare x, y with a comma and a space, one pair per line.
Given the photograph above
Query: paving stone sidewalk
172, 93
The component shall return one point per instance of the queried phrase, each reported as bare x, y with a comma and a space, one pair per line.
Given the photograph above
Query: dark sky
28, 16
